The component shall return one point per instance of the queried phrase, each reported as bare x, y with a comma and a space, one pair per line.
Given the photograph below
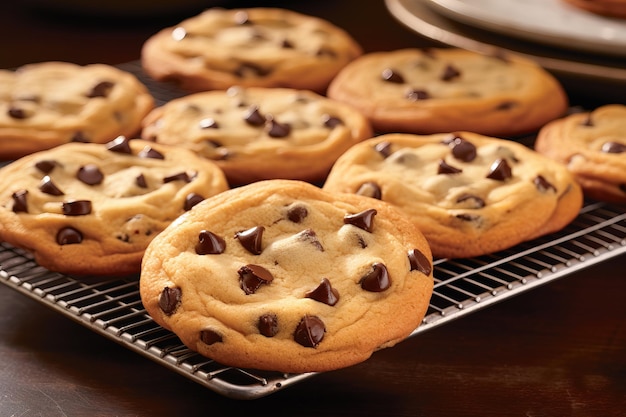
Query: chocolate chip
140, 180
445, 168
297, 213
363, 220
383, 148
376, 280
253, 116
251, 277
251, 239
268, 325
392, 76
324, 293
450, 73
613, 147
276, 129
191, 200
20, 204
68, 236
462, 149
102, 89
331, 121
506, 105
169, 299
45, 165
310, 236
76, 208
209, 243
543, 184
370, 189
208, 123
419, 262
500, 170
417, 95
90, 174
476, 201
17, 113
80, 137
49, 187
466, 217
210, 337
310, 331
120, 144
181, 176
149, 152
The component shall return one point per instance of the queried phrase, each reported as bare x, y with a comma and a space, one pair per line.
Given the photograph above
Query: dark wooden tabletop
557, 350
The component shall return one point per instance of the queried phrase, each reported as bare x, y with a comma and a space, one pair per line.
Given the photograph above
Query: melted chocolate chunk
90, 174
120, 144
68, 236
208, 123
370, 189
102, 89
76, 208
20, 205
49, 187
191, 200
500, 170
252, 239
268, 325
613, 147
445, 168
392, 76
462, 149
543, 184
149, 152
310, 236
331, 121
210, 337
310, 331
476, 201
169, 299
363, 220
210, 244
253, 116
181, 176
324, 293
297, 213
376, 280
419, 262
45, 165
276, 129
417, 95
383, 148
251, 277
141, 181
450, 73
80, 137
287, 44
17, 113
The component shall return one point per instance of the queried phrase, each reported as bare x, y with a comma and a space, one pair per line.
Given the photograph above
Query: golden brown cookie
93, 208
252, 47
593, 147
280, 275
445, 90
469, 194
51, 103
260, 133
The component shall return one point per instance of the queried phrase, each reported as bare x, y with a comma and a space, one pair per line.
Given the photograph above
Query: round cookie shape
469, 194
425, 91
260, 133
92, 209
48, 104
280, 275
592, 145
252, 47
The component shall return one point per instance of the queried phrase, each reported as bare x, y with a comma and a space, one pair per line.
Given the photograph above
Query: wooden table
558, 350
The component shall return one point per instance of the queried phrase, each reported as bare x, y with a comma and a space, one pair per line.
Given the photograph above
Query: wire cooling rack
112, 307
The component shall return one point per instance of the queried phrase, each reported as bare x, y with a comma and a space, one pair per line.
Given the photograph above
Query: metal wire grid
112, 307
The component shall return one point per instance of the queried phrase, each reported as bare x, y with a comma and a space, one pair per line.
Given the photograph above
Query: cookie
251, 47
609, 8
91, 209
260, 133
47, 104
469, 194
592, 145
444, 90
280, 275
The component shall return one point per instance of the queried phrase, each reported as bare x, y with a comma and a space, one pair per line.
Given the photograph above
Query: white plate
552, 22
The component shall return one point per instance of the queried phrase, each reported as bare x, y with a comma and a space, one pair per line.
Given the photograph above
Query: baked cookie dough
469, 194
91, 209
47, 104
280, 275
260, 133
440, 90
592, 145
251, 47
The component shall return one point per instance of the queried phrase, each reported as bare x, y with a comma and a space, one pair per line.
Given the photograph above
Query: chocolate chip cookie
592, 145
47, 104
280, 275
434, 90
252, 47
260, 133
469, 194
93, 208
